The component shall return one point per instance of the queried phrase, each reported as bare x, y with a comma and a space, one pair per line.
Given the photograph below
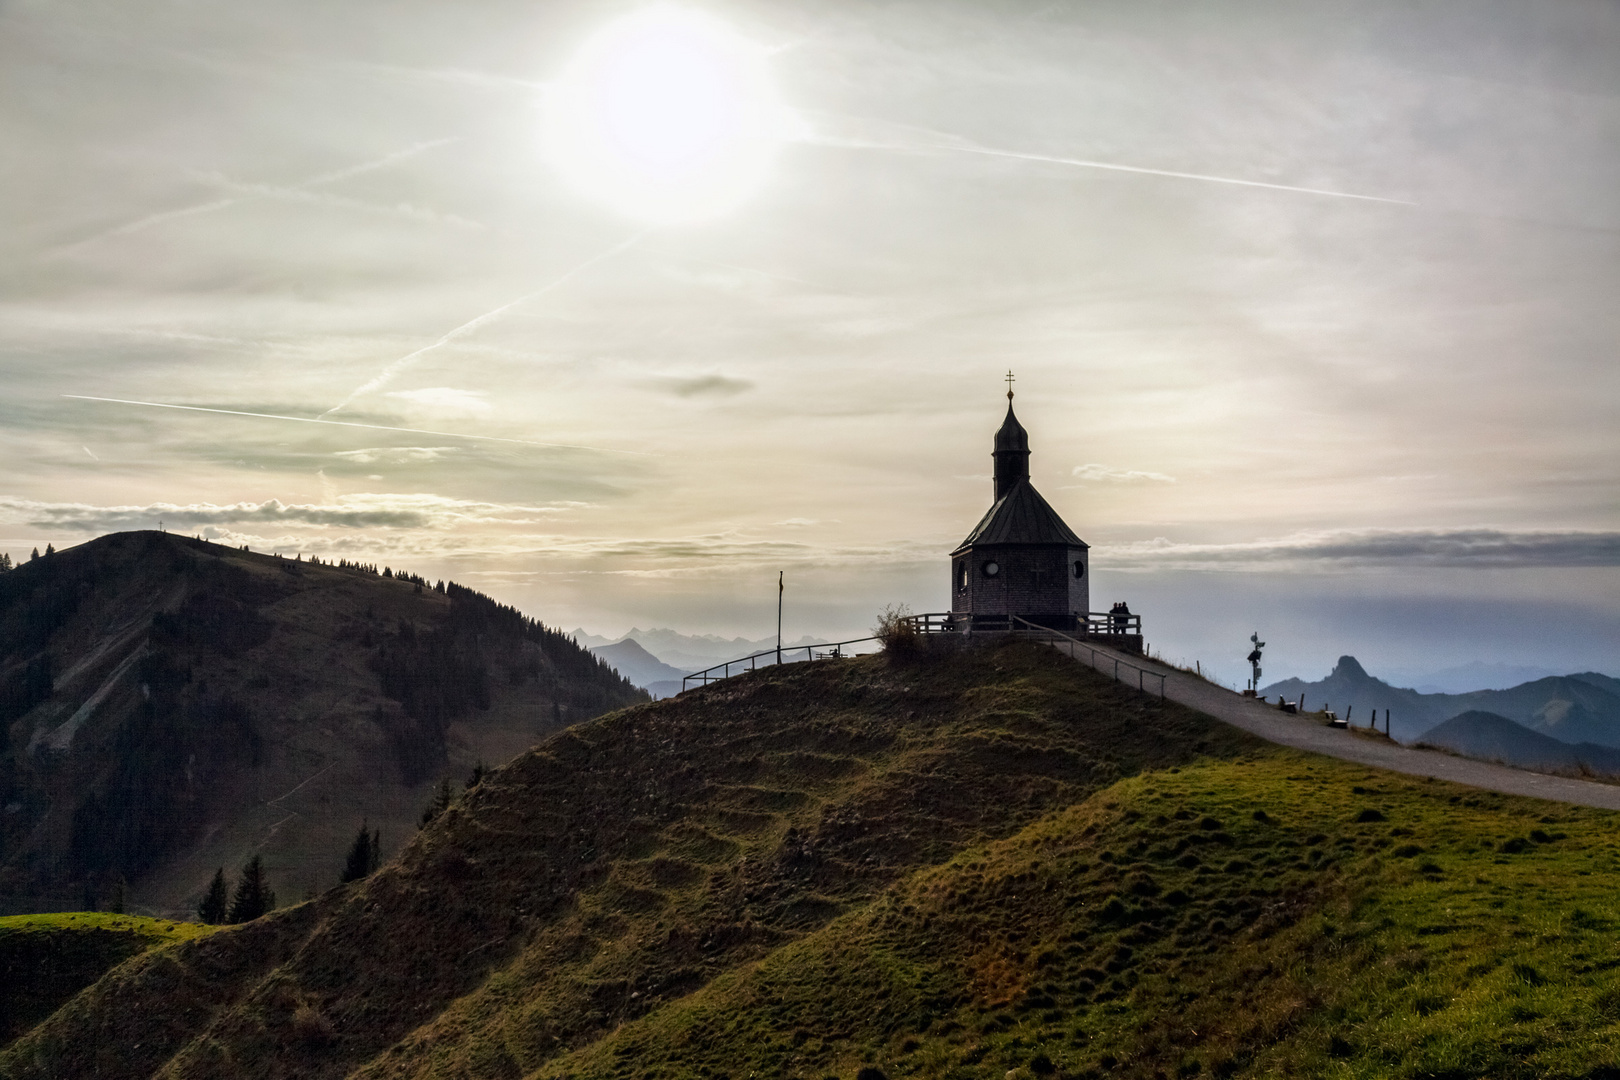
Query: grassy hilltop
948, 868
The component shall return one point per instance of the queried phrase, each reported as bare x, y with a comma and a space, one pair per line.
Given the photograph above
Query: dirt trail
1304, 733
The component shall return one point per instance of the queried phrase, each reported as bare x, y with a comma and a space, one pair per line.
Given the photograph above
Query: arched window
962, 575
1079, 568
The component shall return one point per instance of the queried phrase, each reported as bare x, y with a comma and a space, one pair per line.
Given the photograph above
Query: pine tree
480, 771
362, 858
116, 903
213, 906
5, 561
441, 802
253, 896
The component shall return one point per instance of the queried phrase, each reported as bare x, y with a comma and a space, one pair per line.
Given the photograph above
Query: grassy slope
1236, 918
46, 959
999, 863
629, 861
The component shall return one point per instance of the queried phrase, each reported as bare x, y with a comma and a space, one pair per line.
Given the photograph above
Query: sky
1310, 307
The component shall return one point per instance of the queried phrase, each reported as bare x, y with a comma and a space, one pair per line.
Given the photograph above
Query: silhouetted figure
1120, 617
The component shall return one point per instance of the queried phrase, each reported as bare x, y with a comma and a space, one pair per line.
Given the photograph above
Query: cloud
1477, 548
1102, 474
362, 511
395, 455
705, 386
445, 399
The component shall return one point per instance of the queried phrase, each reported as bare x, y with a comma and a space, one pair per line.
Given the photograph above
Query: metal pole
779, 588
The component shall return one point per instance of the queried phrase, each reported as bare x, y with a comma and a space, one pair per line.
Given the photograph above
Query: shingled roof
1022, 517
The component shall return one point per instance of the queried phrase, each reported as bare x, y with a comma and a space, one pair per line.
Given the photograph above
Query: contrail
142, 223
384, 377
965, 147
353, 424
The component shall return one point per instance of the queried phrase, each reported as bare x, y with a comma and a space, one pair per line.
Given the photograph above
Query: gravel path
1304, 733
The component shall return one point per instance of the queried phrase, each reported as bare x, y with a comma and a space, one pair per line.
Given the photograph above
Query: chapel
1021, 558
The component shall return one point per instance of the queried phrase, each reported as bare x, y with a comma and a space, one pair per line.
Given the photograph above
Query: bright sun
667, 115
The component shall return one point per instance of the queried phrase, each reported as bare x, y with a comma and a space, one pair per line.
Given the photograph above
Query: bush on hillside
895, 631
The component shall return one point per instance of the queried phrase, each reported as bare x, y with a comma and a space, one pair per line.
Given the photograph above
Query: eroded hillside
989, 863
170, 706
628, 862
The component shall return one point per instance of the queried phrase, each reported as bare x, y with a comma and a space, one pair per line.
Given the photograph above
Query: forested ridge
155, 688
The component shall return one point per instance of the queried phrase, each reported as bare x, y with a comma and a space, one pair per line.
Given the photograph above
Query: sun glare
667, 115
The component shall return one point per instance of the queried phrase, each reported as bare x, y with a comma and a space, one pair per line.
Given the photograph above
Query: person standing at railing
1120, 617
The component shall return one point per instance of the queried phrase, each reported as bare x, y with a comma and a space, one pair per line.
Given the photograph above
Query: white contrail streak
353, 424
384, 377
142, 223
965, 147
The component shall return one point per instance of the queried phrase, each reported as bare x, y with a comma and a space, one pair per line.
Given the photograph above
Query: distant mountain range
679, 653
641, 667
1572, 709
1466, 678
1490, 737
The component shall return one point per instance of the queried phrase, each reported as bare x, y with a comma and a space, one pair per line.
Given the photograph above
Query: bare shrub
310, 1027
895, 631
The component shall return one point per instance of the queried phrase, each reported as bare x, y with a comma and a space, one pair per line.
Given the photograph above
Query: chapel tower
1021, 559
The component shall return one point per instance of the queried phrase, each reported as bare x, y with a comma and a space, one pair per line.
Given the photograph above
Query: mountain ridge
1571, 708
169, 706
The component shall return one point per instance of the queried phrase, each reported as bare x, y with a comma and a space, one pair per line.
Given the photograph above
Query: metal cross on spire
1009, 384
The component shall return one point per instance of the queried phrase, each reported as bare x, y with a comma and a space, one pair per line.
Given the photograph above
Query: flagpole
779, 587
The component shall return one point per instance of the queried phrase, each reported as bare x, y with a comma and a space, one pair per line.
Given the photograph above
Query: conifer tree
5, 562
253, 896
116, 903
480, 771
213, 907
362, 856
442, 798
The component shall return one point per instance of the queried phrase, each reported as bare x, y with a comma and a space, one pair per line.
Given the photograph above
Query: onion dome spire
1011, 454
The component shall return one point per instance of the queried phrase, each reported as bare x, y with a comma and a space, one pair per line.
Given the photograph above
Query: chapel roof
1022, 517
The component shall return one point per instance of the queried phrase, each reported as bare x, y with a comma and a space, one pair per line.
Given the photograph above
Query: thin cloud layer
365, 511
1102, 474
1476, 548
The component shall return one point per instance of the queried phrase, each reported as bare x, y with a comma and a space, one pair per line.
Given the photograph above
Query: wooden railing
946, 622
1100, 623
830, 650
1074, 646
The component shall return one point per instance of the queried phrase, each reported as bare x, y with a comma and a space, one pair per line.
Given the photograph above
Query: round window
1079, 569
992, 568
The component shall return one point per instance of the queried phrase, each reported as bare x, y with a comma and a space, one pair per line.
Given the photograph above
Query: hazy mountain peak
1350, 668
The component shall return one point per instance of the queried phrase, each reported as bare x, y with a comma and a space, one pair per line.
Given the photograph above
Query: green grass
46, 959
1226, 919
952, 868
